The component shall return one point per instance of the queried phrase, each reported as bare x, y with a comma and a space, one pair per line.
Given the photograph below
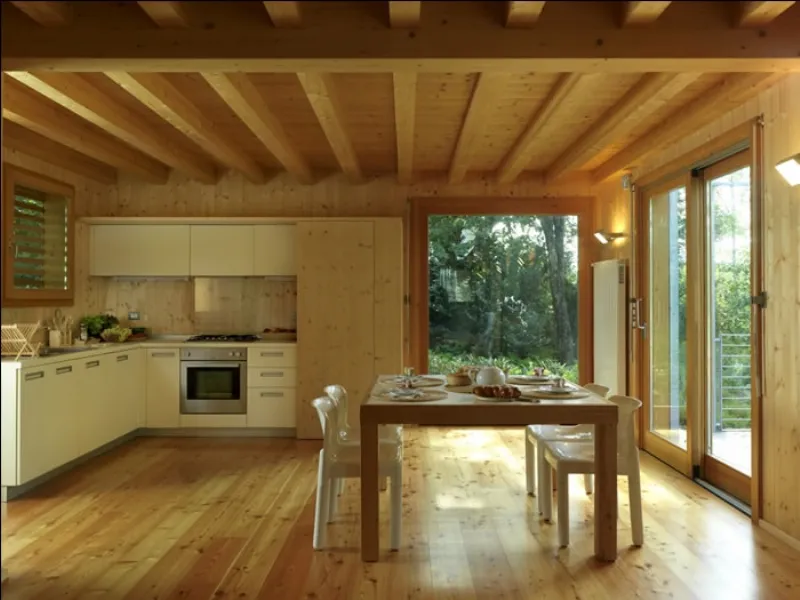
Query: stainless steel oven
214, 381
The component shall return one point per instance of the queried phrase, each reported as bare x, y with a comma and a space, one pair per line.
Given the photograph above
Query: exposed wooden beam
169, 15
521, 153
481, 105
321, 93
159, 94
404, 14
463, 47
30, 110
642, 13
284, 14
729, 93
405, 107
47, 14
244, 99
609, 124
757, 14
78, 95
28, 142
523, 14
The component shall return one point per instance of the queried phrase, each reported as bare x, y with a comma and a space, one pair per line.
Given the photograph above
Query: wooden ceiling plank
609, 125
404, 14
79, 96
244, 99
28, 109
484, 100
521, 153
757, 14
168, 15
523, 14
284, 14
321, 93
47, 14
405, 106
642, 13
726, 95
16, 137
158, 93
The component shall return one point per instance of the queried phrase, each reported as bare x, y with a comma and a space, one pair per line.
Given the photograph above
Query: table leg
369, 491
605, 492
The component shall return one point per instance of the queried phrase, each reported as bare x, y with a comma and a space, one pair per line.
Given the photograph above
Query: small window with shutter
38, 238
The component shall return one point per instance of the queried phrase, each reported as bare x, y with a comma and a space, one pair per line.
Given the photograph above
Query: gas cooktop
220, 337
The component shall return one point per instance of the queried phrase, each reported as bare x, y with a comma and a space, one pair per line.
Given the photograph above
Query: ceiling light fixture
790, 169
604, 237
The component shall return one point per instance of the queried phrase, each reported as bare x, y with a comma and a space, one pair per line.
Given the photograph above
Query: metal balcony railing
732, 390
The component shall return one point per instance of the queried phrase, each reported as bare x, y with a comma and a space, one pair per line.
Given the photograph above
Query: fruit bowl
115, 335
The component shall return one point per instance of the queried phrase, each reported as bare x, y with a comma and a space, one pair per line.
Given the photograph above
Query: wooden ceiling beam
435, 48
483, 102
284, 14
523, 14
723, 97
404, 14
642, 13
169, 15
78, 95
47, 14
244, 99
321, 93
405, 106
159, 94
522, 152
16, 137
30, 110
758, 14
610, 124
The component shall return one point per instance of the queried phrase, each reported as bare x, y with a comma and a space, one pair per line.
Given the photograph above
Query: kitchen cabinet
127, 376
68, 388
271, 383
222, 250
271, 407
274, 250
140, 250
38, 423
163, 388
95, 402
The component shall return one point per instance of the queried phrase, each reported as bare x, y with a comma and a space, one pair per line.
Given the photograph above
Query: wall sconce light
605, 237
790, 169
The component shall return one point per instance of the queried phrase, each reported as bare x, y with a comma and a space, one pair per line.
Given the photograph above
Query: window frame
13, 297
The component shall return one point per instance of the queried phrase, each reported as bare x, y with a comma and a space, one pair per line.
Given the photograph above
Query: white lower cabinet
163, 388
38, 422
270, 407
271, 383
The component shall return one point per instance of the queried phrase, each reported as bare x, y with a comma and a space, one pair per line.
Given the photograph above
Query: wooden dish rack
17, 339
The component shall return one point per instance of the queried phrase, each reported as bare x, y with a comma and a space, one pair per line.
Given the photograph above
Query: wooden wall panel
781, 403
243, 304
389, 296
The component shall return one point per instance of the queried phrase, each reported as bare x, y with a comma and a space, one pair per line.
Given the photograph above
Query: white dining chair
338, 461
571, 457
537, 435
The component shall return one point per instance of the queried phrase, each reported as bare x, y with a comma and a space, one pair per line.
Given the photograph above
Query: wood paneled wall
781, 405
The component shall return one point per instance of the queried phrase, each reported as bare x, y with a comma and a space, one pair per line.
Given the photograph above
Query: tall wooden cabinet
349, 310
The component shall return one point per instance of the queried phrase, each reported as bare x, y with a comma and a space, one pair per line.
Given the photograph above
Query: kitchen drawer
213, 420
271, 377
272, 355
270, 407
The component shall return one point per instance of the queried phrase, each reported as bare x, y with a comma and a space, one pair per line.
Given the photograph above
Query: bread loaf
497, 391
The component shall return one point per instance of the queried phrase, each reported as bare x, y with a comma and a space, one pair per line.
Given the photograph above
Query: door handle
272, 394
162, 354
34, 375
273, 354
92, 364
272, 374
62, 370
122, 358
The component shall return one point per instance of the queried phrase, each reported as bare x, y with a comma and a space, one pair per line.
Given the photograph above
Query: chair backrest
598, 389
626, 438
327, 412
338, 396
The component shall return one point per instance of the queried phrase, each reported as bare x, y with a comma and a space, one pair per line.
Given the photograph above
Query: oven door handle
220, 364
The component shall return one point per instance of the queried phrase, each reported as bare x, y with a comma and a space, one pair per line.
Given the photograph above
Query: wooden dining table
467, 410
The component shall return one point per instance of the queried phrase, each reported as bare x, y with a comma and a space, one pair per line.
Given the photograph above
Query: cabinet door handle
271, 373
62, 370
34, 375
92, 364
273, 354
162, 354
122, 358
272, 394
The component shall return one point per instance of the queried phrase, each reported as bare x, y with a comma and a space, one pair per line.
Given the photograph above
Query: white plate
551, 389
523, 379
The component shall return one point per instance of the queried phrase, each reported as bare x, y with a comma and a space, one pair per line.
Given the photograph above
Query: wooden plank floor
213, 518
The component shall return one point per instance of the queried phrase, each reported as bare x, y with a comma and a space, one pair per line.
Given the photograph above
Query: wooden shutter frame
13, 176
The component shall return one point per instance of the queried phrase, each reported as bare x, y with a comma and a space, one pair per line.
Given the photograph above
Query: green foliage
96, 324
444, 362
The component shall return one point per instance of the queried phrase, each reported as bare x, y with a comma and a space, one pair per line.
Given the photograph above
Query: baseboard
268, 432
781, 535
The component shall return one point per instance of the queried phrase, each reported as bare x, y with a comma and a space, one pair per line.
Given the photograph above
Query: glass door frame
419, 211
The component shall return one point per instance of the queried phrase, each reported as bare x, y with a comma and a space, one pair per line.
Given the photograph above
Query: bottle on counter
84, 333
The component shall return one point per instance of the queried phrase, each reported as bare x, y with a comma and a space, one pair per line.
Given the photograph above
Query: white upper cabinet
274, 250
222, 250
140, 250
